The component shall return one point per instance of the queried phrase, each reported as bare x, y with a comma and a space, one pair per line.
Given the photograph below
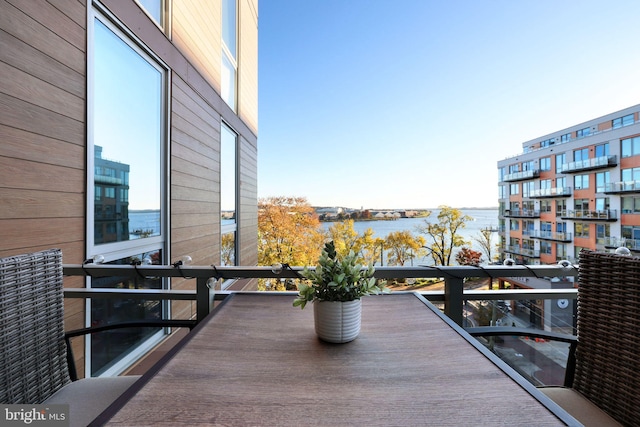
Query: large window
582, 154
581, 182
631, 205
622, 121
157, 10
631, 147
126, 217
602, 181
228, 194
561, 159
545, 164
229, 52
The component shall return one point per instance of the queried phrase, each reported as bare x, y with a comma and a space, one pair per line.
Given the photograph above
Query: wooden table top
256, 361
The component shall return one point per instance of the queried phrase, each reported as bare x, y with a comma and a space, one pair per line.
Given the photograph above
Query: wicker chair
602, 381
34, 354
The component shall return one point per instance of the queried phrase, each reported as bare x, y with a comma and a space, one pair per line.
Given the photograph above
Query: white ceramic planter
337, 322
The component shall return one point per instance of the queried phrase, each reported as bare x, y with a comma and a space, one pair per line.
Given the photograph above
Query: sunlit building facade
575, 188
129, 133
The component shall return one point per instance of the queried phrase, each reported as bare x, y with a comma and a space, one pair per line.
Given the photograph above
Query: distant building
575, 188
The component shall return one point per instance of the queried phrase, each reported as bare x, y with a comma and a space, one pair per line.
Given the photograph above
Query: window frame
113, 251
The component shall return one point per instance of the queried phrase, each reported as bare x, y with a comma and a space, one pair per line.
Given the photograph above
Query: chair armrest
493, 331
168, 323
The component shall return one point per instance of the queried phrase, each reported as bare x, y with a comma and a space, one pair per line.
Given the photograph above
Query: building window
602, 180
561, 207
157, 10
603, 232
547, 142
622, 121
602, 150
581, 205
514, 225
582, 154
545, 184
229, 78
565, 138
631, 205
127, 124
228, 194
581, 182
560, 160
602, 204
583, 132
545, 206
631, 147
514, 168
581, 230
545, 247
514, 189
528, 188
631, 232
545, 164
631, 175
502, 191
528, 166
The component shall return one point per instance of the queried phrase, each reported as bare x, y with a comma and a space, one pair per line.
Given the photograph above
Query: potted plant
335, 287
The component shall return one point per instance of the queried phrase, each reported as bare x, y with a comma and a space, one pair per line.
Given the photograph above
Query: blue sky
411, 103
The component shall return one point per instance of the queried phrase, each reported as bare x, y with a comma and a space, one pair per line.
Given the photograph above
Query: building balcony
622, 187
607, 215
517, 250
544, 193
552, 235
521, 213
521, 176
590, 164
616, 242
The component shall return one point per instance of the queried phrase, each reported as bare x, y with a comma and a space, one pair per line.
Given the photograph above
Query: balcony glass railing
551, 192
587, 164
519, 176
622, 187
605, 214
551, 235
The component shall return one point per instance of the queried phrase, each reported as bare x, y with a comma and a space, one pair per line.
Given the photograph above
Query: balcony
544, 193
616, 242
521, 213
622, 187
607, 215
526, 252
521, 176
590, 164
552, 235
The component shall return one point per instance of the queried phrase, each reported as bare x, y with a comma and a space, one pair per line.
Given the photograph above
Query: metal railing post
204, 298
454, 299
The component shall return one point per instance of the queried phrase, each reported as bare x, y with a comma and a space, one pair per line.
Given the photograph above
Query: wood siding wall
43, 129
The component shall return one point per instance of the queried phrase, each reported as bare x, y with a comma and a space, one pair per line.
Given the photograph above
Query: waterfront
482, 219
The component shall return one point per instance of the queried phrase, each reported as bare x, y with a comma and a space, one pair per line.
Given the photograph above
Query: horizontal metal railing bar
227, 272
190, 295
147, 294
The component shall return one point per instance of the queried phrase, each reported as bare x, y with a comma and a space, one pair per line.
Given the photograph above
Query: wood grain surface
258, 362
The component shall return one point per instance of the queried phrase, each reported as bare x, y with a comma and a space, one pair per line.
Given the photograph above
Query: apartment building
575, 188
127, 128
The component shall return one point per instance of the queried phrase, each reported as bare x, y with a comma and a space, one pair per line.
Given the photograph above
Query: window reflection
108, 347
127, 132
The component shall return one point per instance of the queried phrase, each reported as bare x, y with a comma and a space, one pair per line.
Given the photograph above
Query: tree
289, 232
467, 256
402, 246
484, 240
346, 239
444, 233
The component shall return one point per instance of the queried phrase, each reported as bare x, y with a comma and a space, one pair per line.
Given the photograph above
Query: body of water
482, 218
